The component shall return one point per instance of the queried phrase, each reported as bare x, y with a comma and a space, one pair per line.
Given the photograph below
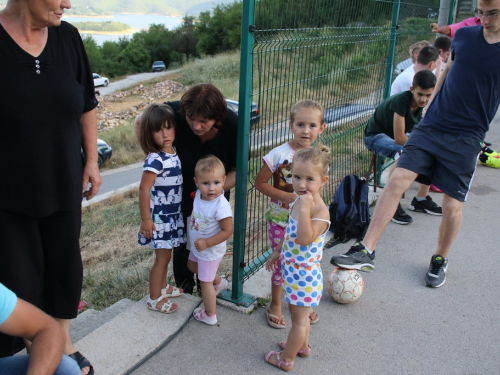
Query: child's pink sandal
301, 353
282, 365
201, 315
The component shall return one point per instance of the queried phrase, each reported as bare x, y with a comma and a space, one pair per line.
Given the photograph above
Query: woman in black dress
47, 114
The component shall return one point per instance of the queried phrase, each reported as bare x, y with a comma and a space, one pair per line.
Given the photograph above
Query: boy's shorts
207, 269
382, 144
443, 159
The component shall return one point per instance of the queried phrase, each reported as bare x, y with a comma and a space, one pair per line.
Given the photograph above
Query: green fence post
451, 14
240, 197
392, 47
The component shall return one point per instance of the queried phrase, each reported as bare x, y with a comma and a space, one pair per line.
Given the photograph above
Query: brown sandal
273, 324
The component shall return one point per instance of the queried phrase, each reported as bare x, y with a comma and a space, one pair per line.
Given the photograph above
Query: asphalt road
120, 177
131, 80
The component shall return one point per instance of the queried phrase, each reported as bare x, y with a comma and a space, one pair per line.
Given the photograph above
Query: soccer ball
345, 286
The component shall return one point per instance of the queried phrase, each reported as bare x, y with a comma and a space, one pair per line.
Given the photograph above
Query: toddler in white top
209, 226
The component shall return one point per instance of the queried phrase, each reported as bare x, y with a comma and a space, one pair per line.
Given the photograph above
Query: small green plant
261, 302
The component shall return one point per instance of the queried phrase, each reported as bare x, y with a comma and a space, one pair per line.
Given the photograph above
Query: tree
93, 53
220, 31
135, 57
185, 39
158, 42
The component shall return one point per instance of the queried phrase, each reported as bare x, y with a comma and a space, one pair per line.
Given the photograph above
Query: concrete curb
126, 340
110, 194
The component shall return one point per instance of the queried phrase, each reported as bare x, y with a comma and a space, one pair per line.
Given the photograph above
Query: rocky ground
116, 108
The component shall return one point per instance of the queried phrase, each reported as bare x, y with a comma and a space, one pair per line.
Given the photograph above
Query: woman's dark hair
424, 79
206, 100
154, 117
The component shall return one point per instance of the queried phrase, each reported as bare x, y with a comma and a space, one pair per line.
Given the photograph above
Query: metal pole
244, 109
392, 48
451, 15
444, 12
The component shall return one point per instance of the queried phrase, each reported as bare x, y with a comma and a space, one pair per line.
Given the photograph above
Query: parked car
104, 152
346, 110
254, 113
402, 66
158, 66
100, 81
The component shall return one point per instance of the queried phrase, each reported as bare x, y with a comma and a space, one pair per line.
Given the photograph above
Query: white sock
369, 251
420, 199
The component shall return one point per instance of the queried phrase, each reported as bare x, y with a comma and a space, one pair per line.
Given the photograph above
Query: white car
100, 81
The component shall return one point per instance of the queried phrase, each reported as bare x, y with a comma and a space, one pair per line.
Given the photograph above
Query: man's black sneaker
357, 258
428, 206
436, 275
401, 217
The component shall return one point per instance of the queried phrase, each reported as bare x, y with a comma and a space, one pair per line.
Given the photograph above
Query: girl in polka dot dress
301, 250
307, 122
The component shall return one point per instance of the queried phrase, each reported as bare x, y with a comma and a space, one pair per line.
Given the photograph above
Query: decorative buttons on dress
37, 72
37, 66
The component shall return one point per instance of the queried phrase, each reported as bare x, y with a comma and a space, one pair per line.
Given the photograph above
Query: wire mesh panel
337, 52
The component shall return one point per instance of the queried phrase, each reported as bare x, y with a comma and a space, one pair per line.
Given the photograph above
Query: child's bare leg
276, 290
193, 266
209, 297
275, 304
158, 275
298, 338
217, 280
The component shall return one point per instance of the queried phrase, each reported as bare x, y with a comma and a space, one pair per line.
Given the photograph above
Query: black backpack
349, 210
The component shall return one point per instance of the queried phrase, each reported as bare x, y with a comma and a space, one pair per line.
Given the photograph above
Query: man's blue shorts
444, 159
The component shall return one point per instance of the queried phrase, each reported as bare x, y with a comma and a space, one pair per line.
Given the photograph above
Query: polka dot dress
301, 268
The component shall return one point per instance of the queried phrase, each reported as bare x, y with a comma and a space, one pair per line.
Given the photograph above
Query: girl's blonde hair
318, 156
153, 119
307, 103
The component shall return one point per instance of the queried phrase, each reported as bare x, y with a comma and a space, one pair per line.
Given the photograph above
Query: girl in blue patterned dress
301, 250
160, 195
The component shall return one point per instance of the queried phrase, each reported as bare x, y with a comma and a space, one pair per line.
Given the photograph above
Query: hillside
167, 7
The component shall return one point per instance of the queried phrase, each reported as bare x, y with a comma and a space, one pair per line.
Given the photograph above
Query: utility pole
446, 12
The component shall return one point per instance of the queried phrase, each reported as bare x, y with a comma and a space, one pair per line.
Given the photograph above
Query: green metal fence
341, 53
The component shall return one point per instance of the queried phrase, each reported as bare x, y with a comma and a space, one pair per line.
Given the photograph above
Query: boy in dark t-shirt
387, 131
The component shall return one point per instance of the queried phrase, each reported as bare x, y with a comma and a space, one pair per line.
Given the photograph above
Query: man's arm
399, 130
439, 82
91, 172
452, 29
440, 29
46, 335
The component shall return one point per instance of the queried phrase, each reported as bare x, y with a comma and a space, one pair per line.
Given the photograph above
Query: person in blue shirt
47, 337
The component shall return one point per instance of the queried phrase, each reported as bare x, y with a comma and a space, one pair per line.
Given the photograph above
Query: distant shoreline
122, 32
137, 14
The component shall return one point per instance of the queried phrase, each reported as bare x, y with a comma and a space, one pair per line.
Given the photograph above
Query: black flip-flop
82, 362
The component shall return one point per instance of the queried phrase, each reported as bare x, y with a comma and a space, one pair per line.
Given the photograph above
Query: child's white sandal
166, 308
175, 292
